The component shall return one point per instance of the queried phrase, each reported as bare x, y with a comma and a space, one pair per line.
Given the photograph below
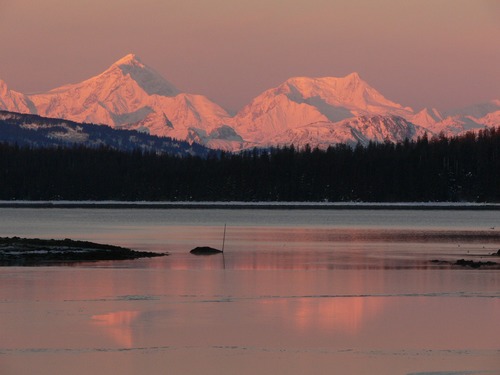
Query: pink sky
442, 53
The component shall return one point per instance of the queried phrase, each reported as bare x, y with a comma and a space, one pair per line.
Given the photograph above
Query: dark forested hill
464, 168
36, 131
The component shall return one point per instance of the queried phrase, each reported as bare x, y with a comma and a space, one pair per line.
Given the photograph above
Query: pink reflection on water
347, 315
118, 325
327, 316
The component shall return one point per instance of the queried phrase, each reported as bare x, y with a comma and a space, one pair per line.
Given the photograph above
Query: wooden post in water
224, 237
223, 242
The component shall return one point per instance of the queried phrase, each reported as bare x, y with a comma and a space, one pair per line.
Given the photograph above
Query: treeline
464, 168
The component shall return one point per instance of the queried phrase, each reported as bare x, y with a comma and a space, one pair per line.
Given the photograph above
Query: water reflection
169, 317
263, 248
359, 256
308, 294
295, 235
118, 325
327, 315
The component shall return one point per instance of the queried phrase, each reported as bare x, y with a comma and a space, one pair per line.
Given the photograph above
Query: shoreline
252, 205
17, 251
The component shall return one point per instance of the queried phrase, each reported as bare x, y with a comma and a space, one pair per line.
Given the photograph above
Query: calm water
299, 291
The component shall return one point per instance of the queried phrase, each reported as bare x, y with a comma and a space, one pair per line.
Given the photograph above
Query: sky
419, 53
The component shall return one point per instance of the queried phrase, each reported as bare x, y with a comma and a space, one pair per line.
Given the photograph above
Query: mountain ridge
37, 131
131, 95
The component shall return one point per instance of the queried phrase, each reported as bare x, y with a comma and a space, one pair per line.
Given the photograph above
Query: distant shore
253, 205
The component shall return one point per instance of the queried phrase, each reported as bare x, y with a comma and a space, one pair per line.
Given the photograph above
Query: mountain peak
14, 101
353, 76
321, 85
130, 59
349, 92
3, 87
147, 78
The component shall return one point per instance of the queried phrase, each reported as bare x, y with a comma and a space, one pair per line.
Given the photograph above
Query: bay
296, 291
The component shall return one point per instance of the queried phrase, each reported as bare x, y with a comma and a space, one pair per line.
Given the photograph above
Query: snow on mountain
318, 111
476, 116
130, 95
453, 125
460, 120
477, 110
14, 101
491, 119
426, 117
148, 79
352, 131
349, 92
302, 101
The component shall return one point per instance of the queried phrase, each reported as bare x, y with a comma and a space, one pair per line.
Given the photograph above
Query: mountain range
316, 111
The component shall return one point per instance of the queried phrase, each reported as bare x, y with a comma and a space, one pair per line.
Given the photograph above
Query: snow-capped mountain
131, 95
14, 101
302, 101
427, 117
117, 97
459, 120
318, 111
351, 131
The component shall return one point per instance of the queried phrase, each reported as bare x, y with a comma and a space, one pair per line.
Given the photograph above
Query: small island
205, 250
16, 251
